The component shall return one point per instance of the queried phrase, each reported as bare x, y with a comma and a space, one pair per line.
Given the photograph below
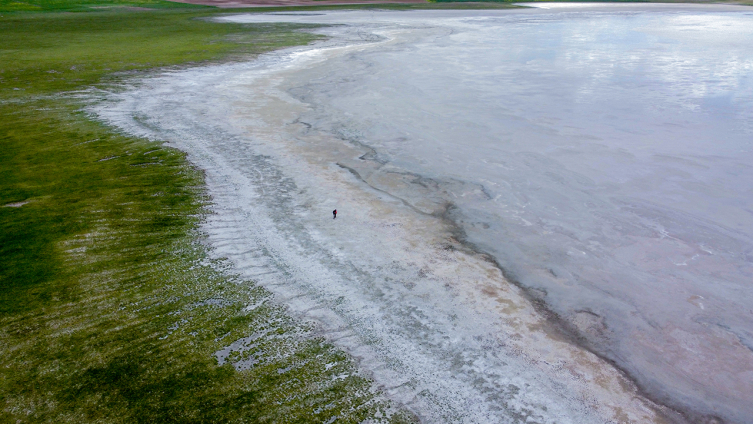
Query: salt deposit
598, 157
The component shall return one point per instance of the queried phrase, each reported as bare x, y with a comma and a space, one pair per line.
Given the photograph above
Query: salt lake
545, 214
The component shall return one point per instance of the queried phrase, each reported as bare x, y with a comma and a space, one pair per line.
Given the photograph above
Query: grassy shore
110, 310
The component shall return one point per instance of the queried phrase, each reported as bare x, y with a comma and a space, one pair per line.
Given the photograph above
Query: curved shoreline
535, 301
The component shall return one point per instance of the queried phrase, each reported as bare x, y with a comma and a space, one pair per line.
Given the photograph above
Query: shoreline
657, 388
307, 308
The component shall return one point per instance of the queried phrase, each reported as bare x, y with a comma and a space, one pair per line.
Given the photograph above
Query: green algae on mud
110, 308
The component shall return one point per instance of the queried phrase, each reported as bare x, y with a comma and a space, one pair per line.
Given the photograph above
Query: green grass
88, 5
53, 52
110, 310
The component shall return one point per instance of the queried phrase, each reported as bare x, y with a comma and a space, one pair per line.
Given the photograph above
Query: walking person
334, 214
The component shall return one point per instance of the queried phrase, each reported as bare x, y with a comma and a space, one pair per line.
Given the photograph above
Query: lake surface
600, 155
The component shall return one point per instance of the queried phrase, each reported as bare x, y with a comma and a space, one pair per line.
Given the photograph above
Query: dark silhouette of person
334, 214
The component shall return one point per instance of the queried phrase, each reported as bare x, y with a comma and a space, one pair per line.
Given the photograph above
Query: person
334, 214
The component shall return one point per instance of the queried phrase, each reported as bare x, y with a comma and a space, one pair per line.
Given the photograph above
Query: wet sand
399, 279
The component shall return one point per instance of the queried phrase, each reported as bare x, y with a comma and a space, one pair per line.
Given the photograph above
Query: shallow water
600, 154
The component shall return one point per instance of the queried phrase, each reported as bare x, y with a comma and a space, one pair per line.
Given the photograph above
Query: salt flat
594, 159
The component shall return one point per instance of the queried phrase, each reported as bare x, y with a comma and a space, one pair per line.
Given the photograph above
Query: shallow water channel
538, 208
